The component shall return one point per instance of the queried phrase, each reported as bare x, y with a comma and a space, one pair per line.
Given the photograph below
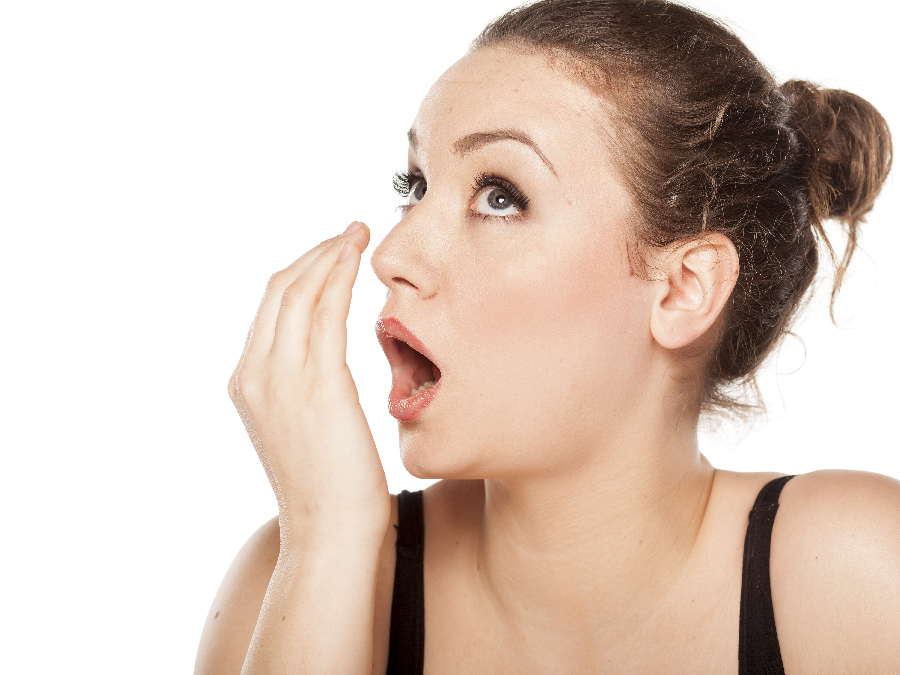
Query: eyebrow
472, 142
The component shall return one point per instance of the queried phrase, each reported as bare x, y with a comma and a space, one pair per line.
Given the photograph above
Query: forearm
318, 612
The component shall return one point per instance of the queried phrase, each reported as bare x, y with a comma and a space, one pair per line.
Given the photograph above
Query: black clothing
407, 651
758, 650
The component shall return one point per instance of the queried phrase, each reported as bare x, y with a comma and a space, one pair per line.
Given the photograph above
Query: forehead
499, 88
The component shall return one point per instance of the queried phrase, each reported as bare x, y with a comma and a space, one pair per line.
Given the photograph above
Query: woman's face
511, 266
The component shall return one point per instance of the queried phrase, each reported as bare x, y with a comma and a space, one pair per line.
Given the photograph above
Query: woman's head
589, 185
706, 141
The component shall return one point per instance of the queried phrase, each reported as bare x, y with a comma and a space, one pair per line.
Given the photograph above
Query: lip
401, 406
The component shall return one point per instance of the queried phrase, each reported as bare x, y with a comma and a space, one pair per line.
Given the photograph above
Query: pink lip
402, 407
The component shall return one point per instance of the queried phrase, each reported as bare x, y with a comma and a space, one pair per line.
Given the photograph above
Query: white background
158, 160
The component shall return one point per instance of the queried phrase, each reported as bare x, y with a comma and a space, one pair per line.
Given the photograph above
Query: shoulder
849, 517
232, 617
835, 572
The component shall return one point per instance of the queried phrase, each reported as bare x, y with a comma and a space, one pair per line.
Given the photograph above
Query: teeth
427, 385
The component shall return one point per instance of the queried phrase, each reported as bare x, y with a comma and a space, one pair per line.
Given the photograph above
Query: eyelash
404, 181
484, 181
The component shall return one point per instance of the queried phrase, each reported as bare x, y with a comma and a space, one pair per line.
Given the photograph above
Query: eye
410, 185
494, 202
496, 196
417, 191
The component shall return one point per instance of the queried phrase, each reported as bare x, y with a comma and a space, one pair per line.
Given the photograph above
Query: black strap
758, 649
407, 646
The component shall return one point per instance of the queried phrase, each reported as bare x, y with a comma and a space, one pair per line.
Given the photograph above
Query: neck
590, 547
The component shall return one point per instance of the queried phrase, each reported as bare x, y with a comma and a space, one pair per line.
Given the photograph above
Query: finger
298, 303
328, 335
262, 331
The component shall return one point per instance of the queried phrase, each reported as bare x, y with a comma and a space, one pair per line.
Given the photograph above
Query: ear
697, 277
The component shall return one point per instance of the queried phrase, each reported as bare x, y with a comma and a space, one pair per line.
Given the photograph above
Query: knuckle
294, 294
278, 280
243, 385
275, 391
325, 385
315, 387
325, 317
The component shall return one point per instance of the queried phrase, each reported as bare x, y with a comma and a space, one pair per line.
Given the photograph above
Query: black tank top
758, 650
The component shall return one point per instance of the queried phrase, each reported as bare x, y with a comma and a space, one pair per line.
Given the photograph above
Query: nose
405, 262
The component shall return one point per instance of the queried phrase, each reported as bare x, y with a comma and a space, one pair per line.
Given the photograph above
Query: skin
578, 529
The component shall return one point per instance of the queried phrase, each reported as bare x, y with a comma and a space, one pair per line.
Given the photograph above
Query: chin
425, 456
467, 452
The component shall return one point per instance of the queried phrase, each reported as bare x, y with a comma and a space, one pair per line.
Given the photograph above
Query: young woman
614, 214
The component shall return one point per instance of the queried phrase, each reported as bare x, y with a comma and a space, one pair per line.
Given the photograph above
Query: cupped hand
299, 403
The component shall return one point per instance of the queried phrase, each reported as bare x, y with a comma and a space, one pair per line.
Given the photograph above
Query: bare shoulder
835, 572
232, 618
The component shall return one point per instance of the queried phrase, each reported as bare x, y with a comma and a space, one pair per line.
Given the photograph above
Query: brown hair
714, 144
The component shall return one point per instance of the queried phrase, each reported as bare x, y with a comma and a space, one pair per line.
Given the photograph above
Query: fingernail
345, 251
351, 228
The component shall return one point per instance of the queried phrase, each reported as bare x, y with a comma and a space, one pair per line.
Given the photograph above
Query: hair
706, 141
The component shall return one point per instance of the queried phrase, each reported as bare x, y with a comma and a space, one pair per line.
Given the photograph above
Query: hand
299, 403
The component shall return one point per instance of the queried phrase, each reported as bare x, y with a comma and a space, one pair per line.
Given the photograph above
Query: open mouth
416, 372
416, 377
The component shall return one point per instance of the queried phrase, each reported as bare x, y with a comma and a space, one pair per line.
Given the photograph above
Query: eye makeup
515, 195
411, 185
404, 181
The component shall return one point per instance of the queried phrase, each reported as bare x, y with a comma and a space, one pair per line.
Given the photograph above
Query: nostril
401, 280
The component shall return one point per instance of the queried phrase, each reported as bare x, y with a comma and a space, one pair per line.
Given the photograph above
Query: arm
318, 612
233, 617
298, 401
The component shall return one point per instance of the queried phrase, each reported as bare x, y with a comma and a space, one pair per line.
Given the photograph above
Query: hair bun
848, 150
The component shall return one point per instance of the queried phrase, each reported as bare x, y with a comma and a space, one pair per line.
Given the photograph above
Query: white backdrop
158, 160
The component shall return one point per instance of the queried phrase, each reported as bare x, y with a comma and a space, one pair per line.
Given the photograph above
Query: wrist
329, 532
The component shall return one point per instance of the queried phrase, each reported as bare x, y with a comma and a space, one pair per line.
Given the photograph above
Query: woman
614, 214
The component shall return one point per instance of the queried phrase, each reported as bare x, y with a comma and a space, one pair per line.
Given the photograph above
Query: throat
614, 557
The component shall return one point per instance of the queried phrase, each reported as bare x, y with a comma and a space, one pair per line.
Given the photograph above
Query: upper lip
392, 327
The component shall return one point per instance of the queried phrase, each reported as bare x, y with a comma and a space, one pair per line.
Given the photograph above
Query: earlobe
699, 277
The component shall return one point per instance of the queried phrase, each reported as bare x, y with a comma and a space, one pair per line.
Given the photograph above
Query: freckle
283, 618
216, 616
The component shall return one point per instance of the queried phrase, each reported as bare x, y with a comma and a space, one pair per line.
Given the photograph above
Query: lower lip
409, 408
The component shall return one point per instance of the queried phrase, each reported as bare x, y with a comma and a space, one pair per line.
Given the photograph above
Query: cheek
542, 343
555, 329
